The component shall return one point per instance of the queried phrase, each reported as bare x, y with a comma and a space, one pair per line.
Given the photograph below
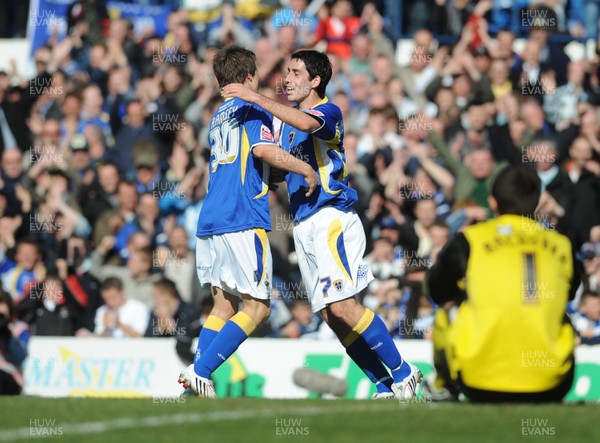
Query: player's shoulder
325, 107
231, 107
254, 112
328, 112
560, 239
232, 103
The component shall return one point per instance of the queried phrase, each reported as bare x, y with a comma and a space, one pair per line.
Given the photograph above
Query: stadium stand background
104, 144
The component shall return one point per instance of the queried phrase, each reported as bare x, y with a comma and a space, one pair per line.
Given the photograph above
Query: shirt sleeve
329, 117
259, 127
450, 267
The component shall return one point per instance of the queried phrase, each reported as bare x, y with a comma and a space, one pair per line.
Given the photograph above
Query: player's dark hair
112, 283
233, 64
168, 286
517, 190
317, 63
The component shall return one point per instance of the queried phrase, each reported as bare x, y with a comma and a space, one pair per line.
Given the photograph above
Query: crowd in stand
103, 157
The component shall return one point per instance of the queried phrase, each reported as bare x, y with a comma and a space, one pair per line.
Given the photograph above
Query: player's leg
440, 386
362, 325
360, 352
234, 332
246, 270
311, 243
343, 260
209, 262
225, 307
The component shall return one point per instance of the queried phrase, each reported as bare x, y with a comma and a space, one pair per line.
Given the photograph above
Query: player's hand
240, 91
312, 180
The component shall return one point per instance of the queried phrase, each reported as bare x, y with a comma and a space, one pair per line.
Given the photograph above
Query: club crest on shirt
291, 137
338, 285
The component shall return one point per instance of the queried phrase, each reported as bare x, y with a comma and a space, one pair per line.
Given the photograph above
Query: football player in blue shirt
328, 235
232, 251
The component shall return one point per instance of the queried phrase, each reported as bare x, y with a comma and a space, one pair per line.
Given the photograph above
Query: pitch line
100, 427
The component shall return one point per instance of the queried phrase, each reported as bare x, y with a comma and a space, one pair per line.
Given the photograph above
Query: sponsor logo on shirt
315, 112
266, 134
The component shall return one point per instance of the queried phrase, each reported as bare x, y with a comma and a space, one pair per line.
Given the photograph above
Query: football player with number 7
328, 235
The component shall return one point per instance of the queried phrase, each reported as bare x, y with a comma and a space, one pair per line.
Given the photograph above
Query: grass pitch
252, 420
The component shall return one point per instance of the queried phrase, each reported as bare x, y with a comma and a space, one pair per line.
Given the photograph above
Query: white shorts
330, 245
237, 262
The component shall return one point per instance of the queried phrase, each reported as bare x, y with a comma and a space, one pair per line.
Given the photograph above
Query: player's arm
285, 161
450, 268
578, 272
292, 116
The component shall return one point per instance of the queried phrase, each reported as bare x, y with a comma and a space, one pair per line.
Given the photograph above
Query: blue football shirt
238, 184
324, 151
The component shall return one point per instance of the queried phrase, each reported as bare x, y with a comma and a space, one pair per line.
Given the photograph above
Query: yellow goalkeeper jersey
512, 334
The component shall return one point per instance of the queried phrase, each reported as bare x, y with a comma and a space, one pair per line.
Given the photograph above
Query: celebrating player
232, 250
328, 235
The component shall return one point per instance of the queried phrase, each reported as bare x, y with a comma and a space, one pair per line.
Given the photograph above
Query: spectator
100, 195
584, 211
147, 220
375, 136
52, 314
425, 217
119, 316
80, 162
14, 337
338, 29
171, 316
560, 104
359, 61
474, 177
134, 130
27, 270
135, 276
178, 262
295, 14
587, 319
590, 254
110, 222
303, 321
148, 175
92, 112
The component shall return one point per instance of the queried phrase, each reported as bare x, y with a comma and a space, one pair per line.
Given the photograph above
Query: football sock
209, 331
374, 332
231, 336
366, 360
